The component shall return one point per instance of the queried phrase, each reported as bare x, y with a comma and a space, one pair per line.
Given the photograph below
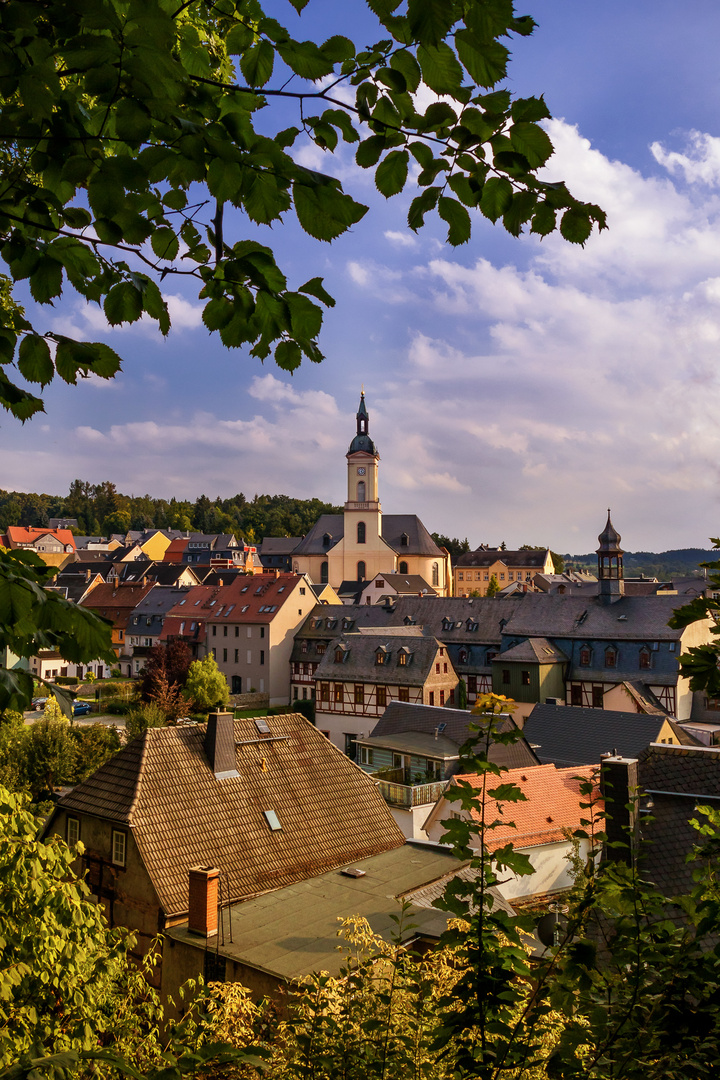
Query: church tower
363, 513
610, 564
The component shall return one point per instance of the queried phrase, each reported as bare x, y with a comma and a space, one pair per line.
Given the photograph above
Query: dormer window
380, 656
585, 656
403, 657
645, 658
610, 657
326, 540
404, 540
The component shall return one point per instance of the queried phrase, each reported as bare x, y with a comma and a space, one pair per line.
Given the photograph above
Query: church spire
362, 440
610, 564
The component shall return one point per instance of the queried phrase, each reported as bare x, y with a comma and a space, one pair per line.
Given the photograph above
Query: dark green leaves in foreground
129, 142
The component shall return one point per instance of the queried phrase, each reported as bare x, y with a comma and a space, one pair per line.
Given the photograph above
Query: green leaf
404, 62
458, 219
530, 109
496, 197
543, 221
224, 179
315, 288
391, 174
576, 225
431, 20
532, 141
288, 355
299, 5
369, 151
165, 243
440, 68
257, 63
218, 313
338, 48
325, 212
520, 210
34, 360
341, 120
155, 305
18, 402
46, 280
420, 205
264, 200
485, 62
123, 304
305, 316
305, 59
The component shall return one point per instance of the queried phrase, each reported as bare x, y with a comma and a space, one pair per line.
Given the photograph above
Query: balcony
397, 789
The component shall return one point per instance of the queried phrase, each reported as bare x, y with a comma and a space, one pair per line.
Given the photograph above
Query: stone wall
250, 701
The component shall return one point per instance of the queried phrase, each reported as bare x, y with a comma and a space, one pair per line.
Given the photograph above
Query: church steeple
610, 564
362, 440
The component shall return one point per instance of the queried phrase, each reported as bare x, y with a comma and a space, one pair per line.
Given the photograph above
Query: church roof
394, 527
609, 538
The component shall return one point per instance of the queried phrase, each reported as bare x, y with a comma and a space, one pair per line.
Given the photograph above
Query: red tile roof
552, 806
21, 535
174, 551
247, 598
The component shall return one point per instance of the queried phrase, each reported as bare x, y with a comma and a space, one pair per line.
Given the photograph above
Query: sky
516, 387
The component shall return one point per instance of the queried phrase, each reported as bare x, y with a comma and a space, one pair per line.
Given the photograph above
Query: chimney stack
619, 787
220, 745
203, 900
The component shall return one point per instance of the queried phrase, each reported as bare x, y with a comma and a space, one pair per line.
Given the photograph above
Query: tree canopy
133, 131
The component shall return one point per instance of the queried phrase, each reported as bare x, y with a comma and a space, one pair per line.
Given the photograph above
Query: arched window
610, 657
435, 574
402, 568
361, 491
361, 533
361, 571
645, 657
323, 573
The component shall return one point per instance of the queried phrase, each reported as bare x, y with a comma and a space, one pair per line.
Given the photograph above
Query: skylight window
181, 603
281, 589
262, 725
272, 820
245, 589
245, 609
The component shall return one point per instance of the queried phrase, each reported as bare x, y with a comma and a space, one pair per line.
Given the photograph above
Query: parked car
81, 708
38, 703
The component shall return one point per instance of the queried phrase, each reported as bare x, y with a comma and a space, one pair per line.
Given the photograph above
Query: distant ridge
663, 564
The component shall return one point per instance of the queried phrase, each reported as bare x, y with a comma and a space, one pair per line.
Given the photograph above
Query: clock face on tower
361, 471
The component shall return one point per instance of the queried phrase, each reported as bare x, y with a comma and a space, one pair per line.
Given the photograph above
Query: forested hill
662, 564
100, 509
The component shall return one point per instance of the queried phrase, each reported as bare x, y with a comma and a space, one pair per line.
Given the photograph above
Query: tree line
100, 509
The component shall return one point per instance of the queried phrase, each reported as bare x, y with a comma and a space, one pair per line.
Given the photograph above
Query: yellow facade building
362, 542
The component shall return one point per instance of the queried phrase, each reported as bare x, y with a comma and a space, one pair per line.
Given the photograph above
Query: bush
117, 706
141, 717
305, 708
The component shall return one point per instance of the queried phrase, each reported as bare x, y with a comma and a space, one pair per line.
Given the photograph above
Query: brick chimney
619, 787
203, 900
220, 745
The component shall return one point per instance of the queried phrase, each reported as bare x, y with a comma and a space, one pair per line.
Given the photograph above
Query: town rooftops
254, 598
404, 584
573, 735
115, 601
19, 536
360, 658
489, 556
163, 788
551, 806
535, 650
629, 617
454, 725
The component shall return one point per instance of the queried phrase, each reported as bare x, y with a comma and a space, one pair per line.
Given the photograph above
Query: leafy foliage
132, 131
206, 686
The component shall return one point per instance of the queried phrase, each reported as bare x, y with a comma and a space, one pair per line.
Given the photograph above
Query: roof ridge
139, 775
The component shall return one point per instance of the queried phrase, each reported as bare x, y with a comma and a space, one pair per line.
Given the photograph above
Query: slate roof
158, 602
678, 777
163, 788
552, 806
419, 540
482, 557
573, 735
278, 545
161, 573
537, 650
360, 659
410, 584
587, 617
401, 716
115, 602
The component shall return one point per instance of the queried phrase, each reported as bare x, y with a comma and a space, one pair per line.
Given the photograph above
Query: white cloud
87, 321
701, 163
401, 239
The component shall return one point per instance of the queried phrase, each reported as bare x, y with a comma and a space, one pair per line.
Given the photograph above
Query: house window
451, 699
506, 676
576, 694
225, 655
380, 657
350, 747
381, 697
403, 693
437, 669
611, 657
338, 693
585, 656
214, 652
339, 656
320, 649
262, 656
431, 697
404, 540
525, 678
214, 630
359, 694
366, 755
645, 658
237, 631
460, 576
119, 853
262, 631
361, 571
224, 631
442, 697
237, 657
402, 659
324, 691
597, 697
486, 576
361, 532
402, 568
444, 669
304, 646
72, 831
463, 656
472, 684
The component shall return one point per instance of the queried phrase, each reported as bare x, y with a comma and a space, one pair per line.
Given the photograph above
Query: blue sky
515, 388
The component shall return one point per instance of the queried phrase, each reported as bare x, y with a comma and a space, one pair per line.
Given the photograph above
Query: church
361, 543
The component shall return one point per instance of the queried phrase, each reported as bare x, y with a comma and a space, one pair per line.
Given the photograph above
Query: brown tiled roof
163, 787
